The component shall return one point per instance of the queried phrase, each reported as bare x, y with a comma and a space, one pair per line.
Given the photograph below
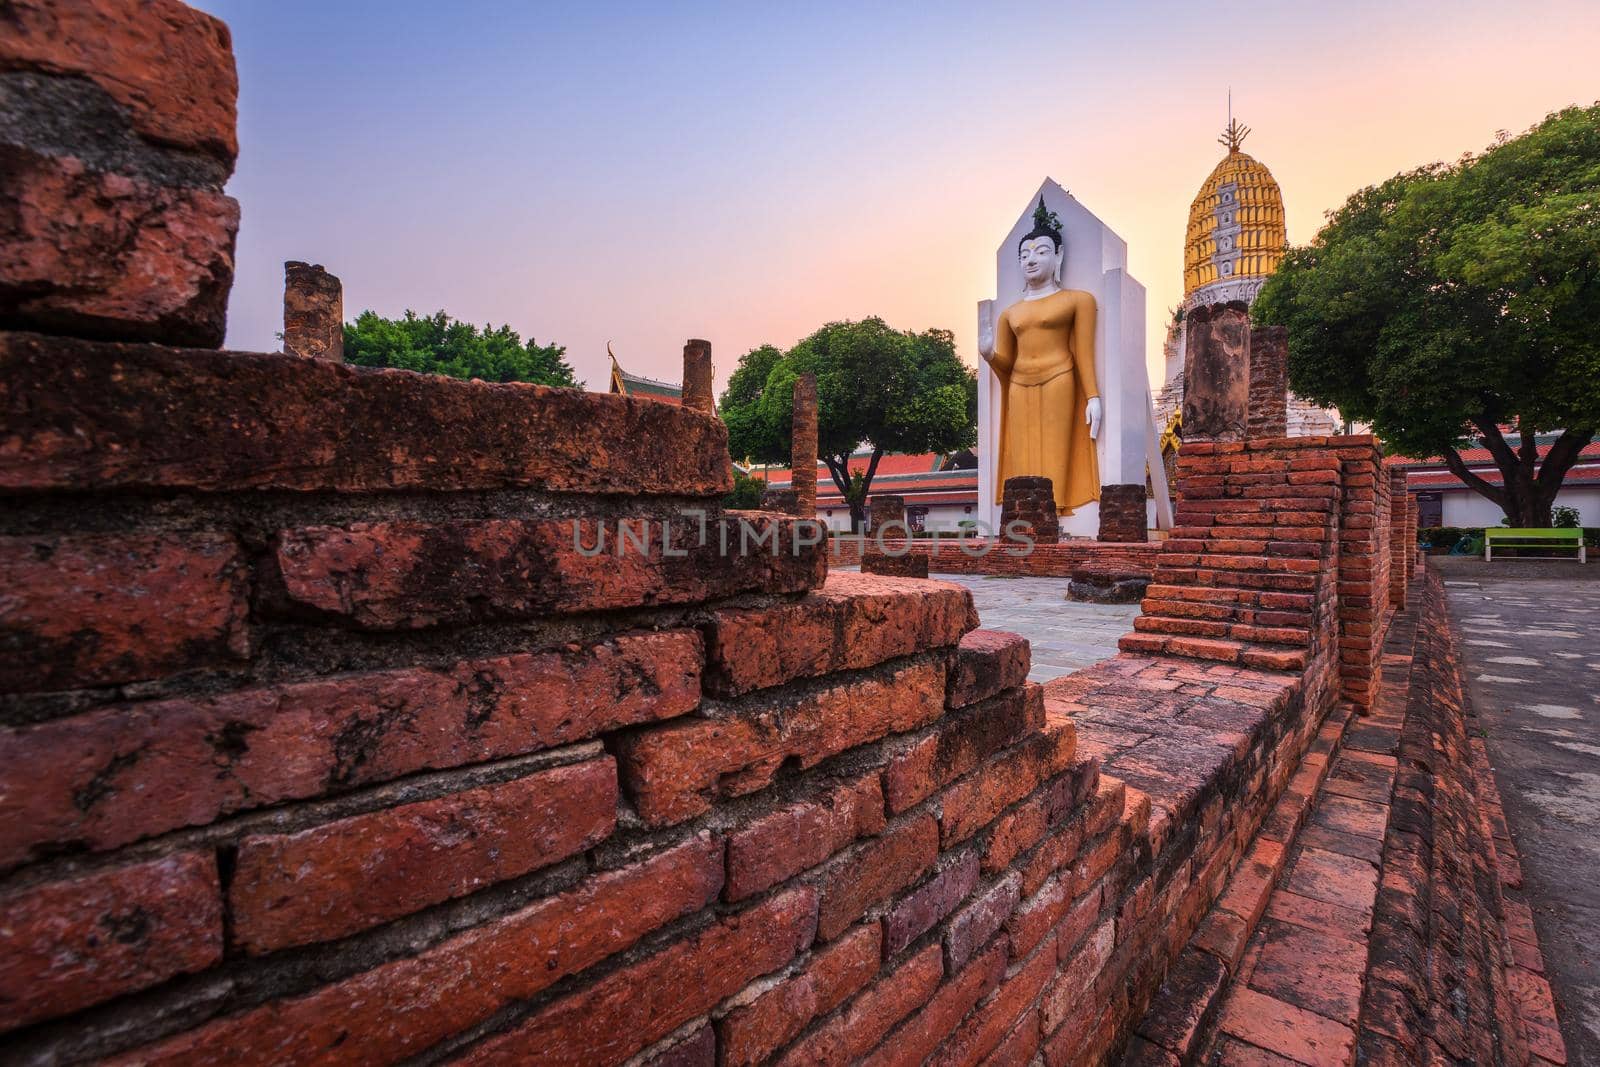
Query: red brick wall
324, 739
1281, 548
1402, 537
1364, 560
321, 735
1061, 560
1249, 574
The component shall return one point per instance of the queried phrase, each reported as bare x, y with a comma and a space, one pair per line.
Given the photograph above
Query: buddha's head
1039, 252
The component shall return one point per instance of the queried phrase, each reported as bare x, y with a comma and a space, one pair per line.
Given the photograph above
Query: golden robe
1044, 358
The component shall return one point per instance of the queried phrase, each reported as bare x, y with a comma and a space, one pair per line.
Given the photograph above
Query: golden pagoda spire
1235, 134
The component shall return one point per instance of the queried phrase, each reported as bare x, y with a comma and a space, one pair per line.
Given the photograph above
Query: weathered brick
84, 416
408, 575
755, 1031
848, 1036
1057, 909
852, 621
108, 255
987, 662
960, 743
674, 772
874, 871
627, 1010
972, 927
918, 911
1183, 1010
401, 1008
1065, 996
1282, 1028
69, 944
344, 876
987, 1028
974, 801
699, 1049
100, 609
913, 1043
799, 836
169, 66
112, 776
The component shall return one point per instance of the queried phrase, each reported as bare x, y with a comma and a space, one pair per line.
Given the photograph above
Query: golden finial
1234, 135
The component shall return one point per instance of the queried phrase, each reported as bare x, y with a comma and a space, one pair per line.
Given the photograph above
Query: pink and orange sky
647, 173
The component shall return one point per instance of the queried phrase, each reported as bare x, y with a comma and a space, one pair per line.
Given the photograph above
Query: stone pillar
1122, 513
886, 508
1030, 500
1216, 373
697, 376
118, 134
803, 448
1269, 382
313, 312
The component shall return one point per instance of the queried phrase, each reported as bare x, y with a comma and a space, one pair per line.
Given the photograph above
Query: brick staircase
1251, 563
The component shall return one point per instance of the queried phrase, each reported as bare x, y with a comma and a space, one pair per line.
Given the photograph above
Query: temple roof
1236, 231
638, 385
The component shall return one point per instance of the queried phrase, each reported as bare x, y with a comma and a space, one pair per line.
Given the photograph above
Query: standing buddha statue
1042, 351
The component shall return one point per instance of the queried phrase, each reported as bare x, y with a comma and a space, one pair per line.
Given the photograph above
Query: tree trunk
839, 469
1529, 493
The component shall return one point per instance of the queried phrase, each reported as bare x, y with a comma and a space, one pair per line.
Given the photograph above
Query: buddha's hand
1091, 415
986, 330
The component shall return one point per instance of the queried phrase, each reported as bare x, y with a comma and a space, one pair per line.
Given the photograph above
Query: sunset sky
743, 172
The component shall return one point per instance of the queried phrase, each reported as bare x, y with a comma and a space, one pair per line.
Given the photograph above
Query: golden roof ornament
1234, 135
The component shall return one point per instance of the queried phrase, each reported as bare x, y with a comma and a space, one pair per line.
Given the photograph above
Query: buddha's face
1039, 259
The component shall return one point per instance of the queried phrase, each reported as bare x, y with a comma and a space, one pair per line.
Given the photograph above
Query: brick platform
906, 566
1062, 560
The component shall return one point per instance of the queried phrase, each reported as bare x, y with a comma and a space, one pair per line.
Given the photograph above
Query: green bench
1511, 538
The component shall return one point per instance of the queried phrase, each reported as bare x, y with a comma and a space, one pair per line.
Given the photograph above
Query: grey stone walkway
1531, 650
1066, 636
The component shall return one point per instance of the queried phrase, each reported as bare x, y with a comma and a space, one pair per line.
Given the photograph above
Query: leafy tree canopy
746, 492
438, 344
888, 390
1456, 299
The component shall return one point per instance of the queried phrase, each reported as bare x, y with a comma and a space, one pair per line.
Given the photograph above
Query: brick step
1235, 580
1216, 649
1269, 531
1308, 562
1234, 629
1247, 613
1271, 543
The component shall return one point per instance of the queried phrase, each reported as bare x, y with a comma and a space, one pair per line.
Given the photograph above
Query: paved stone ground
1066, 635
1531, 651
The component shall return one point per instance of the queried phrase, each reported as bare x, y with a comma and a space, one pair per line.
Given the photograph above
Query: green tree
885, 389
746, 493
1458, 299
438, 344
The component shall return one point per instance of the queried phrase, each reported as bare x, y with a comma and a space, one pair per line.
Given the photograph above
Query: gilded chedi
1236, 234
